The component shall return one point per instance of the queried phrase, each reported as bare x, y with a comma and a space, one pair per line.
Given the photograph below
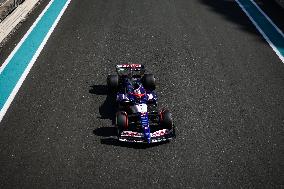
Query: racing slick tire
121, 121
166, 119
112, 82
149, 81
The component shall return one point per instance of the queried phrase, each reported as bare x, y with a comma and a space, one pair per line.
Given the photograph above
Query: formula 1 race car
138, 118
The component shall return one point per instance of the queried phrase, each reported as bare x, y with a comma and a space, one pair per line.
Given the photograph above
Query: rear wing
130, 69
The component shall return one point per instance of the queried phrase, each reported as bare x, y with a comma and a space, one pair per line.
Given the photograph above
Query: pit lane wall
7, 6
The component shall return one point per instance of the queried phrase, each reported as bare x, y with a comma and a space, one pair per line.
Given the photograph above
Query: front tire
149, 81
166, 119
112, 82
121, 121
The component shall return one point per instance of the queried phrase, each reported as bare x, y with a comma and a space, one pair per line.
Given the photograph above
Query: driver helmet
138, 91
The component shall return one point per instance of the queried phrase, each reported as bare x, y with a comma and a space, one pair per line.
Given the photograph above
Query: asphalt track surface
220, 79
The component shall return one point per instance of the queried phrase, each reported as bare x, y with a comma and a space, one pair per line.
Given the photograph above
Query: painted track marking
271, 33
17, 66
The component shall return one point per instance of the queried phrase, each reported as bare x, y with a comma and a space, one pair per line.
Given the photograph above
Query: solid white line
262, 32
31, 63
24, 38
269, 20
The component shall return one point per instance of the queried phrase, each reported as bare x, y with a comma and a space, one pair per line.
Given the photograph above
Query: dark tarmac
218, 76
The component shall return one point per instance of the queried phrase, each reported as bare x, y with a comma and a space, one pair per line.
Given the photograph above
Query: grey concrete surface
7, 6
15, 18
218, 76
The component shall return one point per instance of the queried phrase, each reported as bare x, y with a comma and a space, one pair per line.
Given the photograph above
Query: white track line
31, 63
271, 22
24, 38
262, 32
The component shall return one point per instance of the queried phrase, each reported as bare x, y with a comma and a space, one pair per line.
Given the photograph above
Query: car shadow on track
107, 109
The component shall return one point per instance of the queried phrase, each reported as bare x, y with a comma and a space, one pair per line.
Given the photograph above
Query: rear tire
149, 81
112, 82
166, 119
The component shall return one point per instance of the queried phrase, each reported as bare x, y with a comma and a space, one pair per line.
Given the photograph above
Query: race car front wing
137, 137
